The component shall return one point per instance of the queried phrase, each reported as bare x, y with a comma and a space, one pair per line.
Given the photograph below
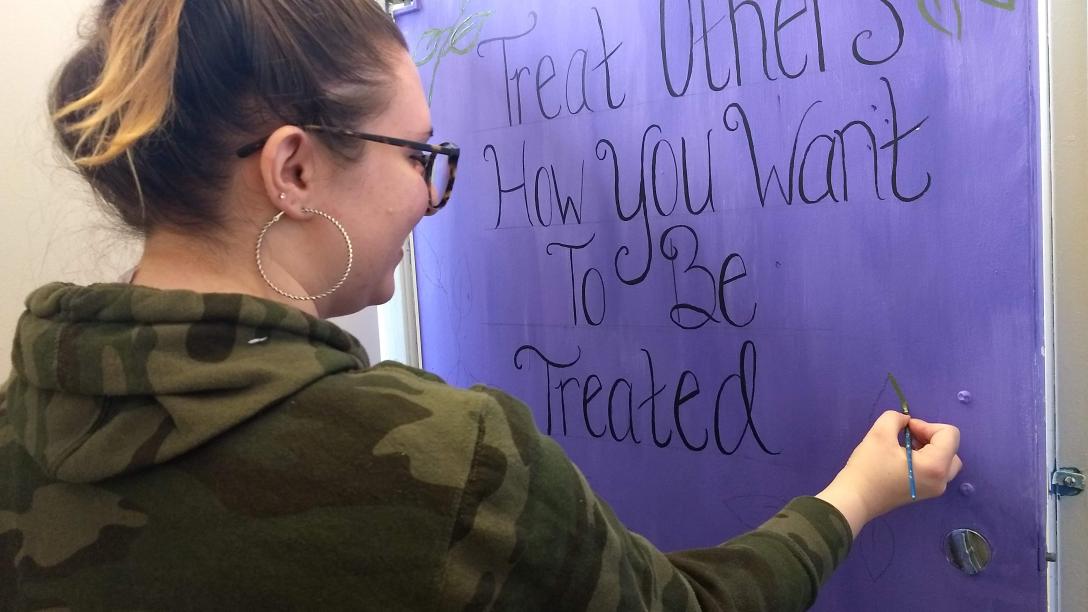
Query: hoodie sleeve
530, 534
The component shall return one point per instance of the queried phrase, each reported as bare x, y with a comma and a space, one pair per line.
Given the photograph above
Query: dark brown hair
152, 107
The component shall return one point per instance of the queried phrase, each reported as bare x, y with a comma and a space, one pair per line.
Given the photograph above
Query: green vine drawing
460, 38
937, 17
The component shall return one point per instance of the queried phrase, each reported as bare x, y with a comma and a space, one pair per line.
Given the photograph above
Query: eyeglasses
439, 161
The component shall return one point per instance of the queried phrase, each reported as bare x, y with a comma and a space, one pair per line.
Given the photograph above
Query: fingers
924, 430
890, 423
936, 445
934, 476
943, 439
920, 431
957, 465
937, 461
943, 444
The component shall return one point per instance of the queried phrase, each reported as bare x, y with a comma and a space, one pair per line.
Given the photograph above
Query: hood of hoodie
109, 378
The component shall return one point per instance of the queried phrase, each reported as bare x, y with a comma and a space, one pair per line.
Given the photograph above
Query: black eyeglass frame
450, 150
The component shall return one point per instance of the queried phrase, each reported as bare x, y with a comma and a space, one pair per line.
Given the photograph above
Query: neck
174, 261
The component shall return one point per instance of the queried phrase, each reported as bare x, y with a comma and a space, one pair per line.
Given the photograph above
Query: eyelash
419, 158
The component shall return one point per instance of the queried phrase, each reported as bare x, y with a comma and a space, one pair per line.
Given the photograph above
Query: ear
287, 168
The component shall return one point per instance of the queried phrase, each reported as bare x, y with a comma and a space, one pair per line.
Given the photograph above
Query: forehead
407, 112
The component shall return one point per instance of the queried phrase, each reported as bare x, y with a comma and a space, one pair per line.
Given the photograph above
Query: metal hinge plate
1067, 482
397, 7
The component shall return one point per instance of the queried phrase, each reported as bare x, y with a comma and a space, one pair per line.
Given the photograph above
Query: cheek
417, 197
403, 206
407, 221
398, 187
393, 200
401, 211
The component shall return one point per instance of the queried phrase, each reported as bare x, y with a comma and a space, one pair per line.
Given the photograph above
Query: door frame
1063, 31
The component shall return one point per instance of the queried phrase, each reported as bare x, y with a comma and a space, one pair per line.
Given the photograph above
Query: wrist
849, 503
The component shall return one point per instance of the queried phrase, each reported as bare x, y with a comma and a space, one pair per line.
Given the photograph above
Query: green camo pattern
169, 450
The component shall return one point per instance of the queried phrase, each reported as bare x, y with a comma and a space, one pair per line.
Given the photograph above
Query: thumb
890, 423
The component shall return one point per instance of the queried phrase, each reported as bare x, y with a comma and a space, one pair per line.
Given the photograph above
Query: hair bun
134, 91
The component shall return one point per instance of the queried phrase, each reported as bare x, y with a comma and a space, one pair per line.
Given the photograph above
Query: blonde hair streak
134, 93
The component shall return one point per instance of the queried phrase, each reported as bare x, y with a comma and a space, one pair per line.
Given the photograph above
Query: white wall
50, 227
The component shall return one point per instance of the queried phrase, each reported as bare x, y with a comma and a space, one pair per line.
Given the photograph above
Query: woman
201, 438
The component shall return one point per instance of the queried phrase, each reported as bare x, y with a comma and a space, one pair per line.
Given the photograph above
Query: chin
384, 294
344, 305
351, 302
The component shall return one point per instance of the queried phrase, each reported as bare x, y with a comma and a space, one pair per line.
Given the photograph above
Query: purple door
695, 236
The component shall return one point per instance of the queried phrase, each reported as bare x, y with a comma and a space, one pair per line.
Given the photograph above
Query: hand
874, 480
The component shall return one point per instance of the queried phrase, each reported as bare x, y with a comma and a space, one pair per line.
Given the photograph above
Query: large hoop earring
268, 281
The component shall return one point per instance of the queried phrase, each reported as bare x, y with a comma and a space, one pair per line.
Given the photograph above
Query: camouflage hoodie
168, 450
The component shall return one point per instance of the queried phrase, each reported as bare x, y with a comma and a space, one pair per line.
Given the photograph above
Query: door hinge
1067, 482
397, 7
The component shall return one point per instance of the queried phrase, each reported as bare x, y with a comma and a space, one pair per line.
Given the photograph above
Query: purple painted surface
936, 278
